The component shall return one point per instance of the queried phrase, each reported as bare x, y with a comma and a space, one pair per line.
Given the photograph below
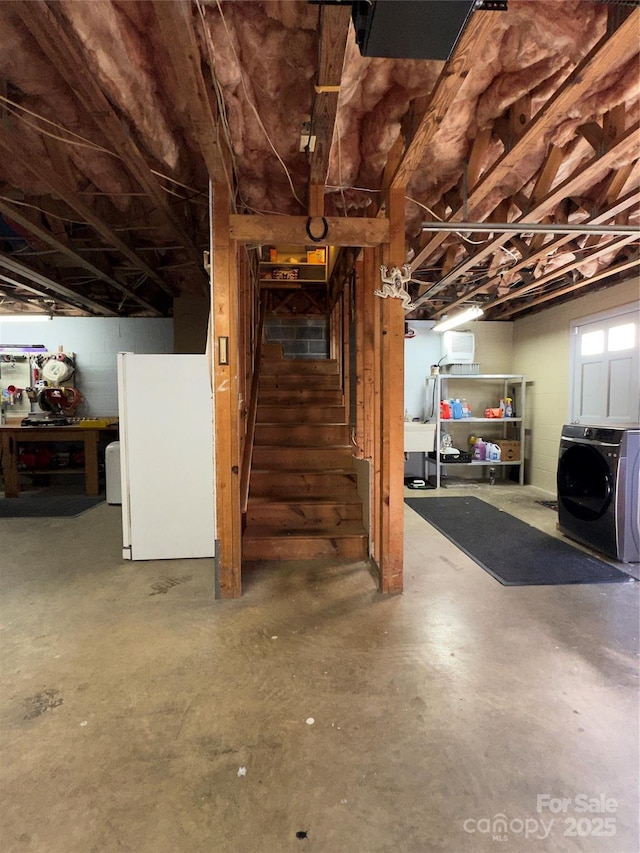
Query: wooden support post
376, 458
346, 349
359, 359
391, 498
224, 348
316, 200
334, 327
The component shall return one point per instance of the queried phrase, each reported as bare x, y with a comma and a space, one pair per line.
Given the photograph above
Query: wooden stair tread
306, 471
315, 501
303, 499
347, 528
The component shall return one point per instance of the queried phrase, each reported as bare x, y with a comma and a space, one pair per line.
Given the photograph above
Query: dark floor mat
515, 553
47, 505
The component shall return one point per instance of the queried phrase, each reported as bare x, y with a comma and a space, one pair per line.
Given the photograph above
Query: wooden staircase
303, 501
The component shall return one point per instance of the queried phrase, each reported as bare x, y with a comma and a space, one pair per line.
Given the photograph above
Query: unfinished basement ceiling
115, 114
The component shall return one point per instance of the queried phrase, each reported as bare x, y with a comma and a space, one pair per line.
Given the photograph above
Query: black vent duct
410, 29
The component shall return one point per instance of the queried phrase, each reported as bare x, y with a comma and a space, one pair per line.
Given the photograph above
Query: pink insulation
259, 60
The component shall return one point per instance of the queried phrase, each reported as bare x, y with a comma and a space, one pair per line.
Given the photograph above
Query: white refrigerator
165, 407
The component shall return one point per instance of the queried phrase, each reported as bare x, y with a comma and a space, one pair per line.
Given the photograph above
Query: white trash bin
112, 473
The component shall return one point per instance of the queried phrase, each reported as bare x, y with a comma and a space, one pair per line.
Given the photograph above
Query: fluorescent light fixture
24, 318
471, 313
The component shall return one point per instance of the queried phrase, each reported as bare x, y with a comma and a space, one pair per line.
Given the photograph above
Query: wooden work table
13, 436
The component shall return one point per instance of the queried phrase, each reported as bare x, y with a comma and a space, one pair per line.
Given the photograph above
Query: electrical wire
222, 108
42, 210
440, 219
253, 108
81, 141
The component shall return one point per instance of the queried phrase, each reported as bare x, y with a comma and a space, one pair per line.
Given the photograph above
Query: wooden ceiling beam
562, 291
341, 230
619, 179
176, 24
610, 51
61, 44
583, 175
51, 286
78, 260
42, 170
10, 296
614, 246
334, 28
448, 85
629, 201
477, 156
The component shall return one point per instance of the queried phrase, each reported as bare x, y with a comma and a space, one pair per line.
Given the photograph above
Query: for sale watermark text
580, 816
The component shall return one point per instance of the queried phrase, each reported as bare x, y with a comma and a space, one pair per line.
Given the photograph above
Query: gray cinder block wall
301, 337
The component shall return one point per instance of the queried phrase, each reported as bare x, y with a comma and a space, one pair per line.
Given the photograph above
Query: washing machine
598, 481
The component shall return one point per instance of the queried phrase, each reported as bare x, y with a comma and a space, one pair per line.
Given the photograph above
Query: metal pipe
529, 228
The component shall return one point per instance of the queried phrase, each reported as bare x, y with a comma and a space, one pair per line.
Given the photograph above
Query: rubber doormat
42, 505
513, 552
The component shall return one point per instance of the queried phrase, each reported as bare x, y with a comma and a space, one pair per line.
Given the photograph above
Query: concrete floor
140, 715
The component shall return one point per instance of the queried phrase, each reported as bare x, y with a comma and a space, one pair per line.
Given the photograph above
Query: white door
606, 369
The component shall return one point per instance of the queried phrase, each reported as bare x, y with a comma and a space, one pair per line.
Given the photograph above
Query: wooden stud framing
376, 431
224, 312
346, 349
391, 498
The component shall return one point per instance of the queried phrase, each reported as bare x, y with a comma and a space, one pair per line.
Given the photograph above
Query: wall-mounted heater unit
458, 347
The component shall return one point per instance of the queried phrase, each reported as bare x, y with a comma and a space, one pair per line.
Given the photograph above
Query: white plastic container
492, 452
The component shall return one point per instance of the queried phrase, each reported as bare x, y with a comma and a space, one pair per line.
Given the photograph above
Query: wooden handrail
251, 417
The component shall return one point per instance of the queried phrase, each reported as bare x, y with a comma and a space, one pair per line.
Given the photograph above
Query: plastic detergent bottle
445, 410
456, 409
466, 411
480, 450
492, 452
508, 408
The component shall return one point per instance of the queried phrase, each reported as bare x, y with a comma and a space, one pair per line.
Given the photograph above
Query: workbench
13, 436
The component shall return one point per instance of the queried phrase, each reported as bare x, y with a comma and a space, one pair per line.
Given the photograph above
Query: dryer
598, 480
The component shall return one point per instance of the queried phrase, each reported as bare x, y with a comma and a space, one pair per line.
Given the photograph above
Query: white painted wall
95, 341
542, 353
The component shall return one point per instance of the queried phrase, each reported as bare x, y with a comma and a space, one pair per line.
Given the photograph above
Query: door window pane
592, 343
621, 337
